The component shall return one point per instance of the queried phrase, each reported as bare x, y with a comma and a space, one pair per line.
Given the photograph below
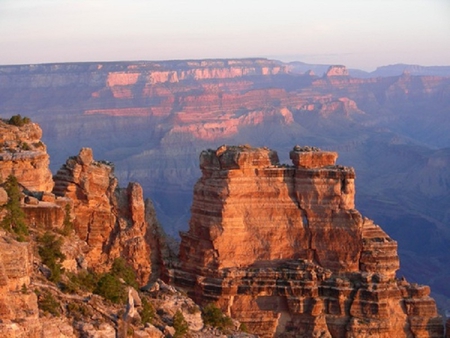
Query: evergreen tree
14, 219
67, 224
122, 269
50, 251
180, 325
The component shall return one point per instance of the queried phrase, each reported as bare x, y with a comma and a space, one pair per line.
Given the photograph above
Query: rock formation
109, 222
23, 155
19, 311
283, 250
337, 70
113, 221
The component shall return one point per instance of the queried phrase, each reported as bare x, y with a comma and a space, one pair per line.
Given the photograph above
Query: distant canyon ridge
152, 120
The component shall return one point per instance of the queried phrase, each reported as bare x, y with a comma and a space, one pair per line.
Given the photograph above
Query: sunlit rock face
114, 222
23, 155
283, 249
19, 310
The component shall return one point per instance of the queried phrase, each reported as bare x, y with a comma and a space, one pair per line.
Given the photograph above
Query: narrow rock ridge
283, 250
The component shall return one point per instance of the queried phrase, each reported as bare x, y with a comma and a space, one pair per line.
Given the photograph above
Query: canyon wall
153, 118
283, 249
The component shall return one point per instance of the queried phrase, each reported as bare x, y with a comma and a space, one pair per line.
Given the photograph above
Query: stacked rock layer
23, 155
283, 250
113, 221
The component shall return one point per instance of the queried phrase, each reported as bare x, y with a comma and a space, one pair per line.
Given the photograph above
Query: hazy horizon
363, 35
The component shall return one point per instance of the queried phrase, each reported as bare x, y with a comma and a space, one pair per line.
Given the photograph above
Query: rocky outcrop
19, 310
337, 70
23, 155
114, 222
283, 250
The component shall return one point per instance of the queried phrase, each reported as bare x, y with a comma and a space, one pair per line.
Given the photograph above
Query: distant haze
360, 34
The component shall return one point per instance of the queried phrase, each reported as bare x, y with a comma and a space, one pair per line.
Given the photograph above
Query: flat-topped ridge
244, 156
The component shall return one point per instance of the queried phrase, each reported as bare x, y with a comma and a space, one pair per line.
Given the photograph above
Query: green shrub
19, 121
243, 327
38, 144
213, 316
180, 325
78, 311
67, 223
122, 269
14, 219
147, 312
84, 280
49, 304
24, 146
24, 289
50, 251
110, 287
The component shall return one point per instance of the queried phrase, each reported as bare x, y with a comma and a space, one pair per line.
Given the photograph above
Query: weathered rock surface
19, 311
23, 155
113, 221
283, 250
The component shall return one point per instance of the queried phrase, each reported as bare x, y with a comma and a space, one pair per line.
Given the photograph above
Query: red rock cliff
113, 221
23, 155
282, 249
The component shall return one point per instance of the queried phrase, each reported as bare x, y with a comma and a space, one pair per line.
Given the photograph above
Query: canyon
152, 119
281, 248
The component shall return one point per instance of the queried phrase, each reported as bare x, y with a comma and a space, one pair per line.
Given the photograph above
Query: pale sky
357, 33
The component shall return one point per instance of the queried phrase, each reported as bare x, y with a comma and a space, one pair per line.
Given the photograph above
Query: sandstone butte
283, 249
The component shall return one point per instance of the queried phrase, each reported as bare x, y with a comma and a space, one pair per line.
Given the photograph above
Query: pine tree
180, 325
14, 219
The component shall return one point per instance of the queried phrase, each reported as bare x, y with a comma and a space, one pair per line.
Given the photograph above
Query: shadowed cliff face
152, 119
283, 250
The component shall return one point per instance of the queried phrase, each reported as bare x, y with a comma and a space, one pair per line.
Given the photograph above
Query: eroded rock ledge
283, 250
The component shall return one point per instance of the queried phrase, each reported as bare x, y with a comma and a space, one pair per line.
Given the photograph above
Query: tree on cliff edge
19, 121
14, 219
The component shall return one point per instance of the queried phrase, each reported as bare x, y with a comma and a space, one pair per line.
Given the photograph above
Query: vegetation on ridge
110, 285
214, 316
50, 251
14, 219
19, 121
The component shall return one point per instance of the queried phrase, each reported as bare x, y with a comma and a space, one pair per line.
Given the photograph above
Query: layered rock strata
283, 250
19, 310
112, 221
23, 155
